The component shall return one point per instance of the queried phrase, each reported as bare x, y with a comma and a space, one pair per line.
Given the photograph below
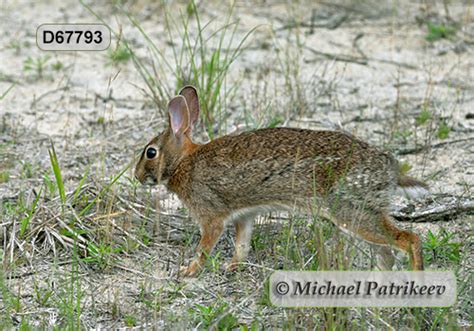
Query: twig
36, 100
437, 209
336, 57
332, 24
426, 147
355, 44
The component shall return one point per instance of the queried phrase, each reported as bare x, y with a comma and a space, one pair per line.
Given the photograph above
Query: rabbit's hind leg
377, 228
406, 241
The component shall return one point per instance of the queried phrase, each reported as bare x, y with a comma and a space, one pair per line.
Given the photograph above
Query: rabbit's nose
149, 180
138, 177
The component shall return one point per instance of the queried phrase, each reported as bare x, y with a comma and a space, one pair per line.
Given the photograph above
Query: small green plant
144, 236
423, 117
403, 135
36, 65
101, 254
443, 130
214, 316
4, 176
152, 301
27, 170
42, 295
405, 167
14, 44
130, 320
275, 121
57, 66
213, 260
120, 54
439, 247
439, 31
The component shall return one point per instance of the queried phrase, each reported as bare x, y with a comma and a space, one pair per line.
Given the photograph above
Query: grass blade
105, 189
25, 221
6, 92
57, 173
81, 183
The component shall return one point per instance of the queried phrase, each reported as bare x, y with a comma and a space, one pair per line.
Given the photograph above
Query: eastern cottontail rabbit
234, 177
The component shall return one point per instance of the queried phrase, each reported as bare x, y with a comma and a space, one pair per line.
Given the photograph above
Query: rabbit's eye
151, 153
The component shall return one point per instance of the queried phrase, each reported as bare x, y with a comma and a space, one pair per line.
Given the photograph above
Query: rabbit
235, 177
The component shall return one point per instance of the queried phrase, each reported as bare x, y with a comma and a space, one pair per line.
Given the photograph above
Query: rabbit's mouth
149, 180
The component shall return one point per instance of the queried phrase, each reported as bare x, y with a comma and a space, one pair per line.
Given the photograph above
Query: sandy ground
97, 115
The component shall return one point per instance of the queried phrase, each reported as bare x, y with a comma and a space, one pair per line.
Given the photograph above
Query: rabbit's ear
192, 99
178, 116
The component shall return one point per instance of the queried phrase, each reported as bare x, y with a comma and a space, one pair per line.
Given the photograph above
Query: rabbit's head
163, 153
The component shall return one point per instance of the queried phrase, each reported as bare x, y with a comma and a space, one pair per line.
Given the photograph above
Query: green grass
439, 31
113, 180
440, 248
130, 320
57, 173
423, 117
4, 176
9, 302
102, 254
214, 316
202, 58
443, 130
26, 220
405, 167
121, 54
68, 298
57, 66
36, 65
42, 295
199, 56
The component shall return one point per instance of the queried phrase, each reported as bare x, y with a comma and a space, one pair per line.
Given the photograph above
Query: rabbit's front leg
211, 230
243, 234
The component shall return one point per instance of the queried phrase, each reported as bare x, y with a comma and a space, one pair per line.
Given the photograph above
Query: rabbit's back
283, 166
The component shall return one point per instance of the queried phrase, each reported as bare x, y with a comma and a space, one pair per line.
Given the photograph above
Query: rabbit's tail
411, 187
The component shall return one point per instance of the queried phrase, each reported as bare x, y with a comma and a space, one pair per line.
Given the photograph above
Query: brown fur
232, 176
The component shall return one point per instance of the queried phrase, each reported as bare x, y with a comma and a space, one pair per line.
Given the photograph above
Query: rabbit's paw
232, 266
191, 270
